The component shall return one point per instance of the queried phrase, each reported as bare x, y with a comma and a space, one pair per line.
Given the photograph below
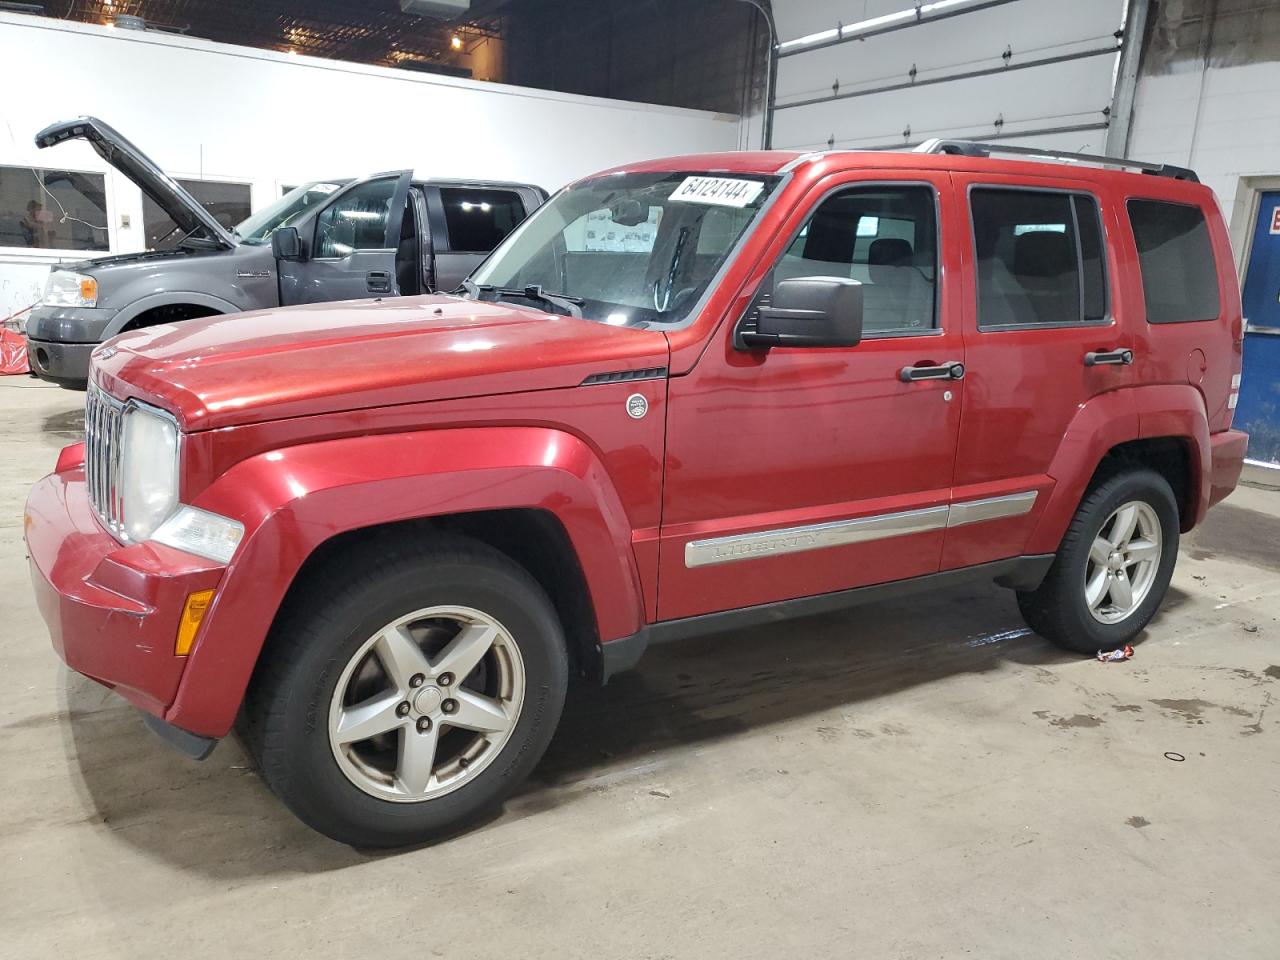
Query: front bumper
60, 339
112, 610
66, 364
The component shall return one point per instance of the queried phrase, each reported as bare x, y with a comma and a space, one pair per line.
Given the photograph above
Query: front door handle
951, 370
1098, 358
378, 281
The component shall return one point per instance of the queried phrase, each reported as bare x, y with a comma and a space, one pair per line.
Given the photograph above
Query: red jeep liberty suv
683, 396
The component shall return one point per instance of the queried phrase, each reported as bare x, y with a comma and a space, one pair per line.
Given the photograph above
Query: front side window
296, 202
633, 248
1040, 258
477, 218
1175, 256
357, 220
52, 209
886, 238
228, 202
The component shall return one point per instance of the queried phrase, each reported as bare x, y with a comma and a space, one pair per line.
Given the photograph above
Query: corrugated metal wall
1030, 71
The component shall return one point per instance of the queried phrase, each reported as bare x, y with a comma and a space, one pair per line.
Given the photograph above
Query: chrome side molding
838, 533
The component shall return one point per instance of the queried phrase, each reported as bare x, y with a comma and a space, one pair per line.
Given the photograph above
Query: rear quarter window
1175, 256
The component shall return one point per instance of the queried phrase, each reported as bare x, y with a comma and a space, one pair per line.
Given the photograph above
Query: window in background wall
228, 202
478, 219
52, 209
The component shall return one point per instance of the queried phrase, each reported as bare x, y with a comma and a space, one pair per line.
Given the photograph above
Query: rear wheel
1113, 567
399, 704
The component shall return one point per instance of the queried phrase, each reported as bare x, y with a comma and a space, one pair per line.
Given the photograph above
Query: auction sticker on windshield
721, 191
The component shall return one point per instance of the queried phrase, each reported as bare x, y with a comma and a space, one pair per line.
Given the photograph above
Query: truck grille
103, 419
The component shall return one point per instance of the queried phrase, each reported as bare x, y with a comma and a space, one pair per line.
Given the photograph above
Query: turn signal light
192, 613
88, 289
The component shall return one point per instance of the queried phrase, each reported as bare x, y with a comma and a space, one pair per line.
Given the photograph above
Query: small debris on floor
1250, 628
1115, 656
660, 793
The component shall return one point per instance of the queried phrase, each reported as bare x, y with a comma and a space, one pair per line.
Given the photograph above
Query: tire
366, 793
1059, 609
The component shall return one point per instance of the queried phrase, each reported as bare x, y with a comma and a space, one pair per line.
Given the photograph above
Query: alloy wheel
1123, 561
426, 703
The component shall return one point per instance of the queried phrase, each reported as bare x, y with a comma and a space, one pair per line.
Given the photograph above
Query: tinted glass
1179, 279
1027, 257
52, 209
1093, 259
289, 208
228, 202
478, 219
357, 220
883, 237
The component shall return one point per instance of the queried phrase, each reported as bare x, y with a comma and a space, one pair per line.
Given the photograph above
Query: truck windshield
633, 248
257, 228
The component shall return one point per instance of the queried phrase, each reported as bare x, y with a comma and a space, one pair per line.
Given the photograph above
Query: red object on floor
13, 346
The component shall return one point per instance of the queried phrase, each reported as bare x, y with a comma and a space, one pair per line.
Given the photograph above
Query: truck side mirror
810, 312
286, 243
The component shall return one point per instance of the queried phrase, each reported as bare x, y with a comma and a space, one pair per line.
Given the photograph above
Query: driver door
798, 471
352, 244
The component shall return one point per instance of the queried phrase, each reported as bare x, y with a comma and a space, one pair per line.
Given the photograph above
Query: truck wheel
407, 691
1113, 567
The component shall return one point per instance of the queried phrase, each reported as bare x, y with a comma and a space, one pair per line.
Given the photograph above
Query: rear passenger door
1042, 337
467, 222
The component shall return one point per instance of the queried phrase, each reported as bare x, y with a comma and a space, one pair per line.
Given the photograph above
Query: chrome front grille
103, 420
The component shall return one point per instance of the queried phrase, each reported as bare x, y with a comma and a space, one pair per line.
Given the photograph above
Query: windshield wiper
570, 306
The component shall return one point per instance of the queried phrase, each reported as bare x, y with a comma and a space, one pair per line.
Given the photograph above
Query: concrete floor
917, 779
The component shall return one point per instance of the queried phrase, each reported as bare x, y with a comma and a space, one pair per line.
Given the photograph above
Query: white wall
1067, 94
215, 111
1223, 122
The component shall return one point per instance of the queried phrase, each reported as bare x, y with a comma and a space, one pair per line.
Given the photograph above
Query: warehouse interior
920, 776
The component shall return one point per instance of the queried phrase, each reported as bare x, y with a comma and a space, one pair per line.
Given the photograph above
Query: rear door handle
951, 370
378, 281
1098, 358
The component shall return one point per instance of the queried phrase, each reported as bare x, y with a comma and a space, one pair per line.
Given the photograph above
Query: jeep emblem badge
637, 406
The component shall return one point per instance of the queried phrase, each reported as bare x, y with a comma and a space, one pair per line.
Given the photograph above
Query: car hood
297, 361
182, 208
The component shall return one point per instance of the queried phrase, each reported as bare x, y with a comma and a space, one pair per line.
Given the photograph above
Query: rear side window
478, 218
1040, 258
1179, 278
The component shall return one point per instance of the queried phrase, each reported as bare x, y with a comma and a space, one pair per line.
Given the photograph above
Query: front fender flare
294, 499
166, 299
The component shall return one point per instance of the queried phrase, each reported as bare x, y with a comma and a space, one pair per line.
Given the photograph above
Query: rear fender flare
1103, 423
293, 500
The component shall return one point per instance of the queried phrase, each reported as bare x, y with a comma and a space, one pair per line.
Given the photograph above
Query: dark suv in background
380, 236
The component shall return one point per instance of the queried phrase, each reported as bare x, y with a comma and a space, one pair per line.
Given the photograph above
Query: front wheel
398, 703
1113, 567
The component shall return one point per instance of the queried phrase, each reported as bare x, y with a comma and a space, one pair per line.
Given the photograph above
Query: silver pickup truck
381, 236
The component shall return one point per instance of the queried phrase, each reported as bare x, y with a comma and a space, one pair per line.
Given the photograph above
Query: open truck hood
182, 208
240, 368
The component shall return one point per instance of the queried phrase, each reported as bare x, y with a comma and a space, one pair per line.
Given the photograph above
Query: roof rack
974, 148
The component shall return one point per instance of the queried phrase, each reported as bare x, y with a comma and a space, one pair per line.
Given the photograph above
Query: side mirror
810, 312
286, 243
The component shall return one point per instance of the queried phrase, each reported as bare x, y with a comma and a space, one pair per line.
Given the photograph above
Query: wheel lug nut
424, 724
445, 679
449, 706
417, 680
463, 762
403, 709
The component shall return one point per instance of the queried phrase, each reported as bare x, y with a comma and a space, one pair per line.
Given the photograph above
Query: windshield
257, 229
634, 248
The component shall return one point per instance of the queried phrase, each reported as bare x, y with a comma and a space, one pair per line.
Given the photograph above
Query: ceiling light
456, 42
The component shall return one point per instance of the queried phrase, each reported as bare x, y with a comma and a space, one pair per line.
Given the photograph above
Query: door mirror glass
809, 312
286, 244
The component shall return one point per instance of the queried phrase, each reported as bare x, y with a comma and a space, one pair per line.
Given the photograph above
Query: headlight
148, 488
66, 289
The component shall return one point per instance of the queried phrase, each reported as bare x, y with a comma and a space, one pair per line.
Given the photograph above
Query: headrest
1043, 253
889, 252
